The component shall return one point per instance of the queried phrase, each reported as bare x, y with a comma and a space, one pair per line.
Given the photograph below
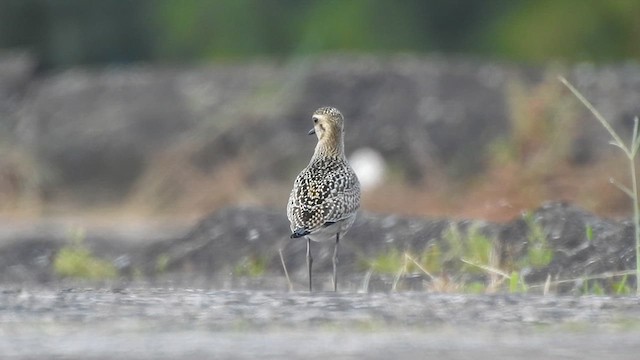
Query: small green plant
76, 261
461, 252
594, 289
516, 283
467, 260
391, 261
162, 263
454, 240
471, 253
473, 247
388, 262
589, 232
630, 152
431, 259
539, 254
251, 266
399, 264
622, 287
475, 287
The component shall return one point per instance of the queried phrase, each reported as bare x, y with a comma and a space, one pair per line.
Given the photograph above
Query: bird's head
327, 123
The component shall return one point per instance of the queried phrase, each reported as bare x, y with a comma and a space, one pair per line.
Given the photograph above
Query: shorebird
326, 194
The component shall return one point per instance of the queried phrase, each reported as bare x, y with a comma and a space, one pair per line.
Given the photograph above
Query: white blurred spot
253, 235
369, 166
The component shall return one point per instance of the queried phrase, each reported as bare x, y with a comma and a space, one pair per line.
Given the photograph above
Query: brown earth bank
557, 248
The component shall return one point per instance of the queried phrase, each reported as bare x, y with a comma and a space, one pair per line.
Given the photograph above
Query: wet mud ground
171, 323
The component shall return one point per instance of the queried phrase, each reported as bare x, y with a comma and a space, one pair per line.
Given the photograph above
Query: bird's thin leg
309, 262
335, 263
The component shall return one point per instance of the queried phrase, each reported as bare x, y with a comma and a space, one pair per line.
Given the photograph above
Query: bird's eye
315, 120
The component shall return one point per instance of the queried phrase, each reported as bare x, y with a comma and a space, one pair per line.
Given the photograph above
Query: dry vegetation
537, 162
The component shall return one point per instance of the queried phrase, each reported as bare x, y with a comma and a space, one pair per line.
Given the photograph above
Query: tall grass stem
630, 152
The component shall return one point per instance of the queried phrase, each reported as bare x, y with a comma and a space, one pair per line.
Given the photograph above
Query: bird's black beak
312, 131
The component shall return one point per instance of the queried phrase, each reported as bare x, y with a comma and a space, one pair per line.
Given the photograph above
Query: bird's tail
299, 232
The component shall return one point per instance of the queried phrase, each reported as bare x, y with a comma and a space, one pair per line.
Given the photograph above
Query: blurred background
69, 33
174, 108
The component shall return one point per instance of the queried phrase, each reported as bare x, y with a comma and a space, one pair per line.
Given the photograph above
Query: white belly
328, 233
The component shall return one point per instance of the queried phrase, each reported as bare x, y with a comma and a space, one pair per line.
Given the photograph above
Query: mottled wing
305, 208
344, 199
326, 191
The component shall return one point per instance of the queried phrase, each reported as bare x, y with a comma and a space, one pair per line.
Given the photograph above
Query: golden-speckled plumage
326, 194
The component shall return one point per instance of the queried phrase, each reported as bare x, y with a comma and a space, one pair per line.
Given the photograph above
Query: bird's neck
331, 145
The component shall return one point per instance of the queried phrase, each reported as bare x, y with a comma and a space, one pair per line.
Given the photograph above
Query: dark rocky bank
221, 250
